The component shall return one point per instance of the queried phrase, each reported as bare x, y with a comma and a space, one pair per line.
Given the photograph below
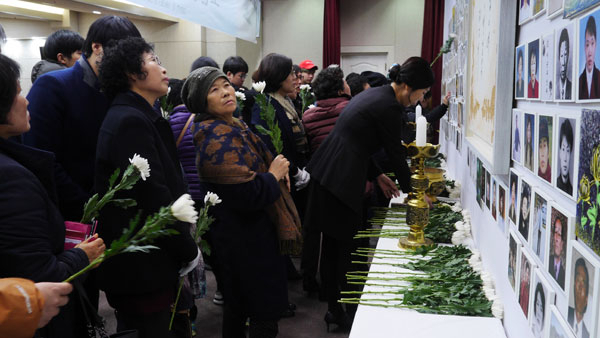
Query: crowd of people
91, 108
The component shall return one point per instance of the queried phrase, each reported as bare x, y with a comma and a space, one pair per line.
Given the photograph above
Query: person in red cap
308, 71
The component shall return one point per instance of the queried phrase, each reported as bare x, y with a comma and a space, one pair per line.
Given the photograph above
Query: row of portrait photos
561, 66
544, 257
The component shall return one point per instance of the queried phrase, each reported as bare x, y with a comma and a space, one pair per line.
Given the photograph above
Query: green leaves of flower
267, 113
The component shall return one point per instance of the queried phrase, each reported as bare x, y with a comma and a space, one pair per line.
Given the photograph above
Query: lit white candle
421, 138
418, 112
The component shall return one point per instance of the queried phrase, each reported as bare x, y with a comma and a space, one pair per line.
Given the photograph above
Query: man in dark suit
563, 89
581, 284
589, 80
557, 258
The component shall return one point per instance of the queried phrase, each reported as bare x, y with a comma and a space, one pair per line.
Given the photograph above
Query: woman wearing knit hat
257, 221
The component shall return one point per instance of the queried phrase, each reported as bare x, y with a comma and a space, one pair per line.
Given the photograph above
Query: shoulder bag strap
187, 124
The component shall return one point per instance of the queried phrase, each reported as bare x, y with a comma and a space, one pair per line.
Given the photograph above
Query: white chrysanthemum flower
305, 87
476, 264
240, 96
456, 207
452, 35
259, 86
497, 307
183, 209
311, 106
454, 194
476, 253
487, 279
142, 166
211, 199
489, 292
458, 237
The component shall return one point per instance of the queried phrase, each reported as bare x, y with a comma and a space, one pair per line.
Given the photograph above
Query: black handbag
94, 323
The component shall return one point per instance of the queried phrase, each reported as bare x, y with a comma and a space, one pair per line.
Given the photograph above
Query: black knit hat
196, 86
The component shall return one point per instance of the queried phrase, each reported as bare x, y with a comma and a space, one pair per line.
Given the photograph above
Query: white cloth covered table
378, 322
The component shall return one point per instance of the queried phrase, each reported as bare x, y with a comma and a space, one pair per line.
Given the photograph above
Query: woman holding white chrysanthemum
140, 286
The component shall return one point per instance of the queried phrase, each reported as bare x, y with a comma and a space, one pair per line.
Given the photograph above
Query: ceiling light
97, 12
32, 6
128, 3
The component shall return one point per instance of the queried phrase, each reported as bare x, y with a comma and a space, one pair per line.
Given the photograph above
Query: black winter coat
32, 231
132, 280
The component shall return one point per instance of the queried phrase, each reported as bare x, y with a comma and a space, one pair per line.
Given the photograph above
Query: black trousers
234, 325
153, 325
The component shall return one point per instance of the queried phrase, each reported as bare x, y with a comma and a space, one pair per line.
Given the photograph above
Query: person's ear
61, 59
97, 48
230, 75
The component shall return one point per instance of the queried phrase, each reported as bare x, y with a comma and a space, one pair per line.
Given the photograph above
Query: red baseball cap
308, 65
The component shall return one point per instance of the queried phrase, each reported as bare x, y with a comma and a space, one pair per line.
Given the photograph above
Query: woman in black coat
342, 164
257, 221
32, 231
140, 286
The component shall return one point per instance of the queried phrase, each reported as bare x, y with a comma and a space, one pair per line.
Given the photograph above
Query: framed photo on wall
524, 224
544, 144
543, 297
560, 235
513, 201
517, 136
520, 72
588, 84
502, 195
525, 275
514, 253
567, 156
554, 8
547, 67
538, 7
558, 326
533, 62
525, 11
539, 226
582, 291
573, 8
588, 204
487, 189
494, 198
565, 44
529, 141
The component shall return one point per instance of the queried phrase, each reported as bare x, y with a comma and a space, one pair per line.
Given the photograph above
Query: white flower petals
211, 199
142, 166
240, 96
259, 86
305, 87
497, 307
311, 106
183, 209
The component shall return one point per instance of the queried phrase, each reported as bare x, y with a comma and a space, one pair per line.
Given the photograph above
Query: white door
360, 62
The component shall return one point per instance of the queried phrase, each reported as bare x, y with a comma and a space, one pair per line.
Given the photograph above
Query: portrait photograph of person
528, 143
517, 136
480, 184
533, 60
493, 202
565, 155
547, 67
520, 71
487, 189
563, 64
544, 146
538, 233
525, 11
526, 271
502, 208
588, 88
525, 210
513, 206
588, 195
514, 248
582, 305
543, 297
559, 237
558, 326
538, 7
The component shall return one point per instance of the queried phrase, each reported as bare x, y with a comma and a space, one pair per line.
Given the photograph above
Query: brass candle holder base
417, 213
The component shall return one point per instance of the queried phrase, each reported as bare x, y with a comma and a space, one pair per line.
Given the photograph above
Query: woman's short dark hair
203, 61
235, 64
62, 41
415, 72
9, 75
274, 69
108, 28
122, 58
328, 83
174, 96
356, 82
566, 131
539, 290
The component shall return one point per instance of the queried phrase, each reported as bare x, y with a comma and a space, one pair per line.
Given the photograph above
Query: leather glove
190, 265
301, 179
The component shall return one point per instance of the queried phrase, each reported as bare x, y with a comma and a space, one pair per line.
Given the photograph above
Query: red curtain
433, 35
331, 33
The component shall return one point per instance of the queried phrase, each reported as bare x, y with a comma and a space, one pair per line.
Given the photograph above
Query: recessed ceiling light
97, 12
32, 6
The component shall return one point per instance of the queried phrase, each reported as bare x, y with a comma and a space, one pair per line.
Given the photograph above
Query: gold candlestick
417, 214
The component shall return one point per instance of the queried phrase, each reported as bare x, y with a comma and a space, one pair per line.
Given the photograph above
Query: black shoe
340, 318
